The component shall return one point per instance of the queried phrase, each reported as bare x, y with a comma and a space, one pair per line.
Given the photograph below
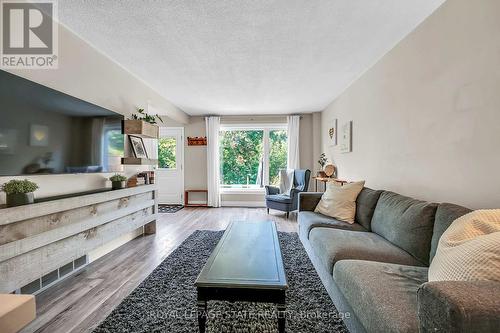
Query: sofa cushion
469, 250
446, 213
383, 296
309, 220
340, 201
331, 245
365, 206
282, 198
459, 306
405, 222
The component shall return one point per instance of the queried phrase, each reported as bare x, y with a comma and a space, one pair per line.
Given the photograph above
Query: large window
252, 157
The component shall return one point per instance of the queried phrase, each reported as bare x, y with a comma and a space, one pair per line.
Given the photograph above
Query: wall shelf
197, 141
140, 128
138, 161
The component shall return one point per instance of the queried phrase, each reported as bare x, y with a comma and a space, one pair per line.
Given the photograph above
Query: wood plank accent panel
33, 246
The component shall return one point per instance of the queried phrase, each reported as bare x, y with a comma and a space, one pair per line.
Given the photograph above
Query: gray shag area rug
166, 300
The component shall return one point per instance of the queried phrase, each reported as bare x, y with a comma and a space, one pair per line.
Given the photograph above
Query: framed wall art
346, 137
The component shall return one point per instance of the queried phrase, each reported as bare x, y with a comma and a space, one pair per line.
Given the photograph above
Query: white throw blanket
469, 250
286, 181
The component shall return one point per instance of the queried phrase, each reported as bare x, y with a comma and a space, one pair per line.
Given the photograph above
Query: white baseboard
230, 203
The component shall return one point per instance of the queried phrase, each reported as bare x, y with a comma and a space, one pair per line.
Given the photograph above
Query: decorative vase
19, 199
118, 185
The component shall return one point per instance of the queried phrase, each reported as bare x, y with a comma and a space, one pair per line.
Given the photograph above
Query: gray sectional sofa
375, 270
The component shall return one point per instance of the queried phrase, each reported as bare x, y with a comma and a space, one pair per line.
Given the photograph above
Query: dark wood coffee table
246, 265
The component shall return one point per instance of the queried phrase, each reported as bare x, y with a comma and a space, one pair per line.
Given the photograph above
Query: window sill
225, 190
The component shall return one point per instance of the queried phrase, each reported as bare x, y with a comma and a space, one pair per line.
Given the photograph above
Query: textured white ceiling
244, 56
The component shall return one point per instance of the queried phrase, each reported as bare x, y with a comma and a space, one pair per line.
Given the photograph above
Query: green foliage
141, 115
166, 153
115, 143
241, 153
118, 178
277, 155
19, 186
322, 160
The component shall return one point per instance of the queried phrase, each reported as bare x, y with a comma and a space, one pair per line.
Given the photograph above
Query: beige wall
426, 117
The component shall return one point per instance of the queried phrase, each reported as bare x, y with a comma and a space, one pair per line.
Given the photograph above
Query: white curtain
293, 160
213, 160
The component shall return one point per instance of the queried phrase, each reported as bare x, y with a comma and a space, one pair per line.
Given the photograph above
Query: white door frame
179, 159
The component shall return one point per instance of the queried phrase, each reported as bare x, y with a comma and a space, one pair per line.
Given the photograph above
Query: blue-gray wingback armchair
286, 203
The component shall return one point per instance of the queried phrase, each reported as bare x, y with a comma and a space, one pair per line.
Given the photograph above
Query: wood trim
186, 198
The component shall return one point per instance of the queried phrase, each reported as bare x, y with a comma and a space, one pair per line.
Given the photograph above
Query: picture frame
332, 132
346, 138
39, 135
138, 147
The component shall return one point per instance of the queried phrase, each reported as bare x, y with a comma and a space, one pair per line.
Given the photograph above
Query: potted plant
19, 192
118, 181
322, 161
141, 115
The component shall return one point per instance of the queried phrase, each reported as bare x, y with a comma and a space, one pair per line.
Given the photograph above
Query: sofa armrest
309, 200
459, 306
270, 190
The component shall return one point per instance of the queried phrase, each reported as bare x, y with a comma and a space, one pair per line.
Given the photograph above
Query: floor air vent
53, 277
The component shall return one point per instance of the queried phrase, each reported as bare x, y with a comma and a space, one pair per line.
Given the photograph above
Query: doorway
170, 172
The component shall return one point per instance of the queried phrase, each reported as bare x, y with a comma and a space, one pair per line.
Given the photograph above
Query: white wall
426, 117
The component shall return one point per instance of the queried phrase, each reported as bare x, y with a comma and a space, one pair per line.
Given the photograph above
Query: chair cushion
309, 220
446, 213
331, 245
383, 296
405, 222
283, 198
365, 206
301, 179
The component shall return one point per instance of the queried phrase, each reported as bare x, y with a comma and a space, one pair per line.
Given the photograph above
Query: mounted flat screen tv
44, 131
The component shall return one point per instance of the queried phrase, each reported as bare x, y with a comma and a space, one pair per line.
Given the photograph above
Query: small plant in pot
19, 192
322, 161
142, 115
118, 181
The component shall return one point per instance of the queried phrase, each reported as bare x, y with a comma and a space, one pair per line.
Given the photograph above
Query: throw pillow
340, 201
469, 250
286, 181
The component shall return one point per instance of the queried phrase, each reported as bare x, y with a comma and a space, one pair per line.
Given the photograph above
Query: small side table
326, 180
186, 198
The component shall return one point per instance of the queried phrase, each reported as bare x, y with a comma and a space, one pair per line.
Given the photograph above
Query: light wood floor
80, 302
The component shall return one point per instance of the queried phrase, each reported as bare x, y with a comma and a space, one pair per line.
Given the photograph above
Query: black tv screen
44, 131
